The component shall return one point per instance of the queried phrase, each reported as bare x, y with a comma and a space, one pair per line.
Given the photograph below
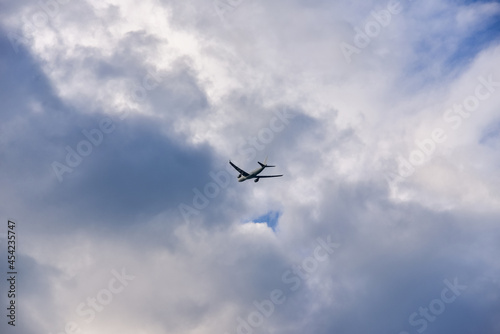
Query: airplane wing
241, 171
261, 176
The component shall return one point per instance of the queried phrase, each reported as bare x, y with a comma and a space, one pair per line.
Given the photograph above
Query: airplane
253, 174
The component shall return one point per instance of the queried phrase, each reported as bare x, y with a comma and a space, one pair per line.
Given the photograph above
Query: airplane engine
239, 176
256, 180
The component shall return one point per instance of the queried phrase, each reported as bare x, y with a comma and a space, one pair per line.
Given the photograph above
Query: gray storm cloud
117, 115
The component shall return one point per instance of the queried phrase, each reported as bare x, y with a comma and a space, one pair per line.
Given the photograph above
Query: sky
119, 118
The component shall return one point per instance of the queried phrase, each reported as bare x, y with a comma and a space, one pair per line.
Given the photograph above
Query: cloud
183, 88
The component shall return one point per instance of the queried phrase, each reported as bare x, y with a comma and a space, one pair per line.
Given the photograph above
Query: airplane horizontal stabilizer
264, 165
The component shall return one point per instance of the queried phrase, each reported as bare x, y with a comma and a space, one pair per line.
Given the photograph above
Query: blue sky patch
476, 41
270, 218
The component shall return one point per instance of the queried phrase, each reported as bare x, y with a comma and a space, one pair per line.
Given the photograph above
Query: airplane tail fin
265, 163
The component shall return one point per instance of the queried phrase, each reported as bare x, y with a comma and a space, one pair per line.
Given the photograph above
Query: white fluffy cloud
378, 158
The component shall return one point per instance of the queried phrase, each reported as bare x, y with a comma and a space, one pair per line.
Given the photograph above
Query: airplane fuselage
252, 175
